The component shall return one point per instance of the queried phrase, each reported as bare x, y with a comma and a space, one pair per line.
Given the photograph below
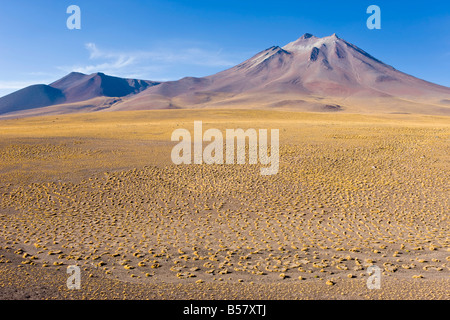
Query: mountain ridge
315, 72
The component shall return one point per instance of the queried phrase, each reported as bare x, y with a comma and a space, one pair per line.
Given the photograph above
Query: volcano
309, 74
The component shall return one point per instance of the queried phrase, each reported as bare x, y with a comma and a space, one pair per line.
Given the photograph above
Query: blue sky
167, 40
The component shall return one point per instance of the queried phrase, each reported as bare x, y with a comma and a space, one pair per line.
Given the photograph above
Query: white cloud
114, 61
144, 63
168, 61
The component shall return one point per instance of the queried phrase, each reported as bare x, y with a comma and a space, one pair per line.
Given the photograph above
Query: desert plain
100, 191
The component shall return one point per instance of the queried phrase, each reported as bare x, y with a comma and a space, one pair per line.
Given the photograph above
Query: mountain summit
308, 74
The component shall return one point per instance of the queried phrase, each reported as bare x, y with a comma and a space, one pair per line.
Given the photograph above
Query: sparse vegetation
364, 191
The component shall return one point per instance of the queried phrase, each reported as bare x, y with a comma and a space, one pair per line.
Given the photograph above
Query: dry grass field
100, 191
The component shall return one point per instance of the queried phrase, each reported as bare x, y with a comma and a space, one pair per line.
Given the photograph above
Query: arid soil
100, 191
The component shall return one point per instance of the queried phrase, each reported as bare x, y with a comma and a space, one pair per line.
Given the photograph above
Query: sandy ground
100, 191
35, 283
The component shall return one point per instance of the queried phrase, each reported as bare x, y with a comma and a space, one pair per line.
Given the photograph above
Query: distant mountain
310, 74
74, 87
78, 86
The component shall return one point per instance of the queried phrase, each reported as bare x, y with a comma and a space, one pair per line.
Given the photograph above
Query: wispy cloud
127, 63
168, 61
